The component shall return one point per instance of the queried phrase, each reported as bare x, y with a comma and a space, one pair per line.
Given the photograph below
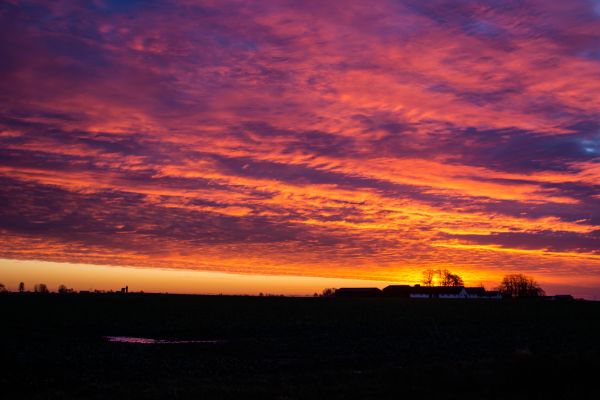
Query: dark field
288, 348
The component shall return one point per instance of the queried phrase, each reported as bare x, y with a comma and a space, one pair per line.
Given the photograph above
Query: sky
288, 139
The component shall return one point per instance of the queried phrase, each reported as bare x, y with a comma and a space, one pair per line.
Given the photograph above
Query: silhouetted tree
328, 292
40, 288
447, 278
519, 285
441, 277
2, 288
428, 276
63, 289
21, 287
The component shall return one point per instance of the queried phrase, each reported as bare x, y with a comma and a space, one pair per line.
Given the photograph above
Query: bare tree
519, 285
63, 289
428, 276
328, 292
447, 278
40, 288
441, 277
21, 287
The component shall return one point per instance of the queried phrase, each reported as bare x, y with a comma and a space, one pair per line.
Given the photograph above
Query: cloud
341, 139
552, 241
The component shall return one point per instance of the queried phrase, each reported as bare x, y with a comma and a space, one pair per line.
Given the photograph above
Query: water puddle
140, 340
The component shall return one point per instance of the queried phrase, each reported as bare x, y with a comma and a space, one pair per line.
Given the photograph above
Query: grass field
52, 346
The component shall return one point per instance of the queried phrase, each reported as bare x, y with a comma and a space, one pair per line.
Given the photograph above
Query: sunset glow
287, 141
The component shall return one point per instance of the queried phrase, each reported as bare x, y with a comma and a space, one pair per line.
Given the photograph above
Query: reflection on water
139, 340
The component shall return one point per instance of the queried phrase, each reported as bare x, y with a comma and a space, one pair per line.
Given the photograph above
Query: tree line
38, 288
512, 285
441, 277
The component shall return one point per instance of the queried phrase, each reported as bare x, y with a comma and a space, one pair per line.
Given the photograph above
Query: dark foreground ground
51, 346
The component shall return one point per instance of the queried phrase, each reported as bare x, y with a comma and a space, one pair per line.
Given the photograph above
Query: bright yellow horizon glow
157, 280
186, 281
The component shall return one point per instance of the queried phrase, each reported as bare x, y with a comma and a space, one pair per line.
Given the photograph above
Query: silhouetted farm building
481, 293
425, 292
442, 292
562, 297
397, 291
420, 292
357, 292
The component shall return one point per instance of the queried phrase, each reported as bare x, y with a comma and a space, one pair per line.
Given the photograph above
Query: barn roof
397, 290
437, 290
476, 291
357, 292
429, 290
